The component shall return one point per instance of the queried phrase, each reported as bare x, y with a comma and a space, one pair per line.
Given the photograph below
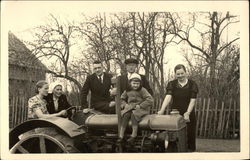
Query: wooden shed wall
22, 82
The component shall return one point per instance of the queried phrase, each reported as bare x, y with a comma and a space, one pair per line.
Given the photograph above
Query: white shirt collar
55, 99
101, 75
129, 74
184, 83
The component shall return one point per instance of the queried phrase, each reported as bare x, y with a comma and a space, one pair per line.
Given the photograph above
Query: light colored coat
132, 98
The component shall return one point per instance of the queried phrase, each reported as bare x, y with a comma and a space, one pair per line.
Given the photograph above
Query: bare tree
212, 44
228, 73
54, 41
151, 37
121, 29
98, 37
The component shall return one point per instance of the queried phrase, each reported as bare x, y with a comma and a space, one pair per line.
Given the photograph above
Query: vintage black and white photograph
83, 80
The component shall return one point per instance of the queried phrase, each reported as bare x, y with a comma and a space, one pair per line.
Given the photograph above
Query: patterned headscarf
53, 85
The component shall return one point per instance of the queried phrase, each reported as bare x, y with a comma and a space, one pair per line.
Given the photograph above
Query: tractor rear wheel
38, 143
41, 143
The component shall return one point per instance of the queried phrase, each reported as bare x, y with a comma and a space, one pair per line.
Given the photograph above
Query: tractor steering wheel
70, 114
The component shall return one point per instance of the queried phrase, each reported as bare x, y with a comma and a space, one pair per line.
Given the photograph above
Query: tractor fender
62, 124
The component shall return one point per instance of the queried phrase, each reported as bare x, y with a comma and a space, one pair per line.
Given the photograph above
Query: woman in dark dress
56, 100
183, 92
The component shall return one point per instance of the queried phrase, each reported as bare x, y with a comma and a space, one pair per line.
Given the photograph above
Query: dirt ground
217, 145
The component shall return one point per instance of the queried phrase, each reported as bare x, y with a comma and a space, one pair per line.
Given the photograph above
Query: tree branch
223, 47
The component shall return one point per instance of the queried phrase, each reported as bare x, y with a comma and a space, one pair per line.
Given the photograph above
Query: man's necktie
100, 78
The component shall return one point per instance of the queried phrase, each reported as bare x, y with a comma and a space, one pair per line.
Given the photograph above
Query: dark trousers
191, 133
103, 107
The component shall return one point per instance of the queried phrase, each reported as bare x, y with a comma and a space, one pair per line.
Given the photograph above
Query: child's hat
134, 76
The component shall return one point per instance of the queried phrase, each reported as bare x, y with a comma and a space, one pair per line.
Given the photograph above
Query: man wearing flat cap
131, 65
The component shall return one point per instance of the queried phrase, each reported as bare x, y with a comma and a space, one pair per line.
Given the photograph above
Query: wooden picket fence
18, 110
217, 119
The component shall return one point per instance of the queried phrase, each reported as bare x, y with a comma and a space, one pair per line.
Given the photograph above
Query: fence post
223, 121
16, 110
19, 110
211, 114
22, 113
220, 119
206, 130
215, 118
197, 108
11, 109
226, 134
25, 108
202, 115
234, 117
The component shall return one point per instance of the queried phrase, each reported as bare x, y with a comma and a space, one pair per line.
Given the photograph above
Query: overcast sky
23, 16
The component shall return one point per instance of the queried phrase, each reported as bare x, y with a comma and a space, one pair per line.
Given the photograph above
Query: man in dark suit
131, 65
99, 84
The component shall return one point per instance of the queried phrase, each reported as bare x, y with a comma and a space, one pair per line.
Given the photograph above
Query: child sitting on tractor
136, 103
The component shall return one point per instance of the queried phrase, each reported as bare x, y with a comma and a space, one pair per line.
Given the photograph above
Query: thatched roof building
24, 72
22, 61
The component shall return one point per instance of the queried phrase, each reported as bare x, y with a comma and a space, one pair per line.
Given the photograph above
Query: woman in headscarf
56, 100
